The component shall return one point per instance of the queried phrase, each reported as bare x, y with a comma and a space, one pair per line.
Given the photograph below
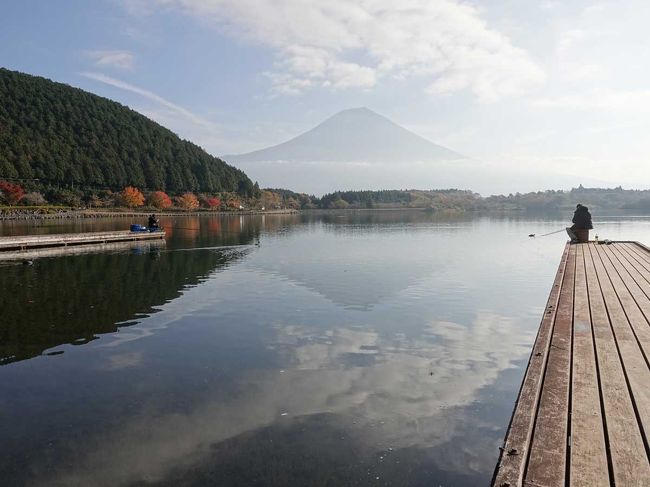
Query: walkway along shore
582, 417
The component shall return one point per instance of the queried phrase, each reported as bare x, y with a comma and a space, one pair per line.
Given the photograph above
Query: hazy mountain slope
358, 149
355, 135
64, 135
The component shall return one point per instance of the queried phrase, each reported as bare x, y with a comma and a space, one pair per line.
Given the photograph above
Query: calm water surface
377, 348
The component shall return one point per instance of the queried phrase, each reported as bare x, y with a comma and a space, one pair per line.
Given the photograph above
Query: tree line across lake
465, 200
13, 194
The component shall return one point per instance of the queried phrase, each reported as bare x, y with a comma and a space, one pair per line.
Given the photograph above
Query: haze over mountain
355, 148
353, 135
360, 149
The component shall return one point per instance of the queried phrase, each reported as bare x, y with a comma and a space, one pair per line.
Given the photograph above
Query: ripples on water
376, 348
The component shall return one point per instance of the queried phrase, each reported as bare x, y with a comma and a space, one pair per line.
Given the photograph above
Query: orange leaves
131, 197
187, 201
160, 200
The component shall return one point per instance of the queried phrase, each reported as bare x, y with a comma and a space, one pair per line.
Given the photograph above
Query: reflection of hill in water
71, 299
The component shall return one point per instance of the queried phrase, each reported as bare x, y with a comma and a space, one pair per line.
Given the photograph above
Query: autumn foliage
213, 203
10, 192
160, 200
131, 197
187, 201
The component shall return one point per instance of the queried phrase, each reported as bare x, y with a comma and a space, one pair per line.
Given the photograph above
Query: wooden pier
29, 242
583, 413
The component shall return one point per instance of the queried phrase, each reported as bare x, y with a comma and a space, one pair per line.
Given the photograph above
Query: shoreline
45, 213
91, 214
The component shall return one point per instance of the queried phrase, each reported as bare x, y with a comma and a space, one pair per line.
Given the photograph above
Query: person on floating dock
153, 222
579, 231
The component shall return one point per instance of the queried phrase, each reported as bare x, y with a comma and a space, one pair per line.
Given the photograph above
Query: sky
562, 87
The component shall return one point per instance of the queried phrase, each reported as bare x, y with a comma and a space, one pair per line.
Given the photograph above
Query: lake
332, 349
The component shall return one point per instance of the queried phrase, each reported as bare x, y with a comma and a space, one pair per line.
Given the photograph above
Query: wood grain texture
583, 413
625, 442
634, 364
588, 459
548, 451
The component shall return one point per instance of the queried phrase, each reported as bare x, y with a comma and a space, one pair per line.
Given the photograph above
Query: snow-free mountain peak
352, 135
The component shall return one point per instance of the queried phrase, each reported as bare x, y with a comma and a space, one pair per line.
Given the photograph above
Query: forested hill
64, 135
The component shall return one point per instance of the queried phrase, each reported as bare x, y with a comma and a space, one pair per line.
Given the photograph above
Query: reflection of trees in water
212, 231
389, 217
71, 299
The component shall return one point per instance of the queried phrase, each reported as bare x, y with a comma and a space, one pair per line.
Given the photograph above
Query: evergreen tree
67, 137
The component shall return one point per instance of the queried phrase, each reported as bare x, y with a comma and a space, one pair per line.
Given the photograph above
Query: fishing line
219, 247
199, 228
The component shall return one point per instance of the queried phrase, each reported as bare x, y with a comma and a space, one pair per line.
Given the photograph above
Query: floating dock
139, 246
29, 242
583, 413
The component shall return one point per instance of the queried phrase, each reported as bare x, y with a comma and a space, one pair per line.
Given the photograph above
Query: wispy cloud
182, 121
178, 110
114, 59
444, 44
600, 99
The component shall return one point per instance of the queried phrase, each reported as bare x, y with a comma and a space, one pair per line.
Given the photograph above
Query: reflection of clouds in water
326, 351
399, 387
124, 360
396, 397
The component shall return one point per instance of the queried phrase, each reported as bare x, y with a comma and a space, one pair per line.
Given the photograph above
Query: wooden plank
637, 253
588, 457
42, 241
636, 287
634, 365
637, 264
80, 249
637, 272
635, 316
512, 460
625, 443
548, 452
640, 250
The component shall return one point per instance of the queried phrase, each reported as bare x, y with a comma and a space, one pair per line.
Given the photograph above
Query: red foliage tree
160, 200
188, 201
213, 203
131, 197
10, 192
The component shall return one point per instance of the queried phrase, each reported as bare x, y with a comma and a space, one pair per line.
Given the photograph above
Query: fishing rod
532, 235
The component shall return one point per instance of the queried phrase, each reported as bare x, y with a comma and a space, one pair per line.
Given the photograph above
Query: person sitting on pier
153, 222
579, 231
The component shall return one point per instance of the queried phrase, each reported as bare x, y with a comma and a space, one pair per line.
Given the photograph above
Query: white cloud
353, 44
600, 99
176, 109
182, 121
114, 59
